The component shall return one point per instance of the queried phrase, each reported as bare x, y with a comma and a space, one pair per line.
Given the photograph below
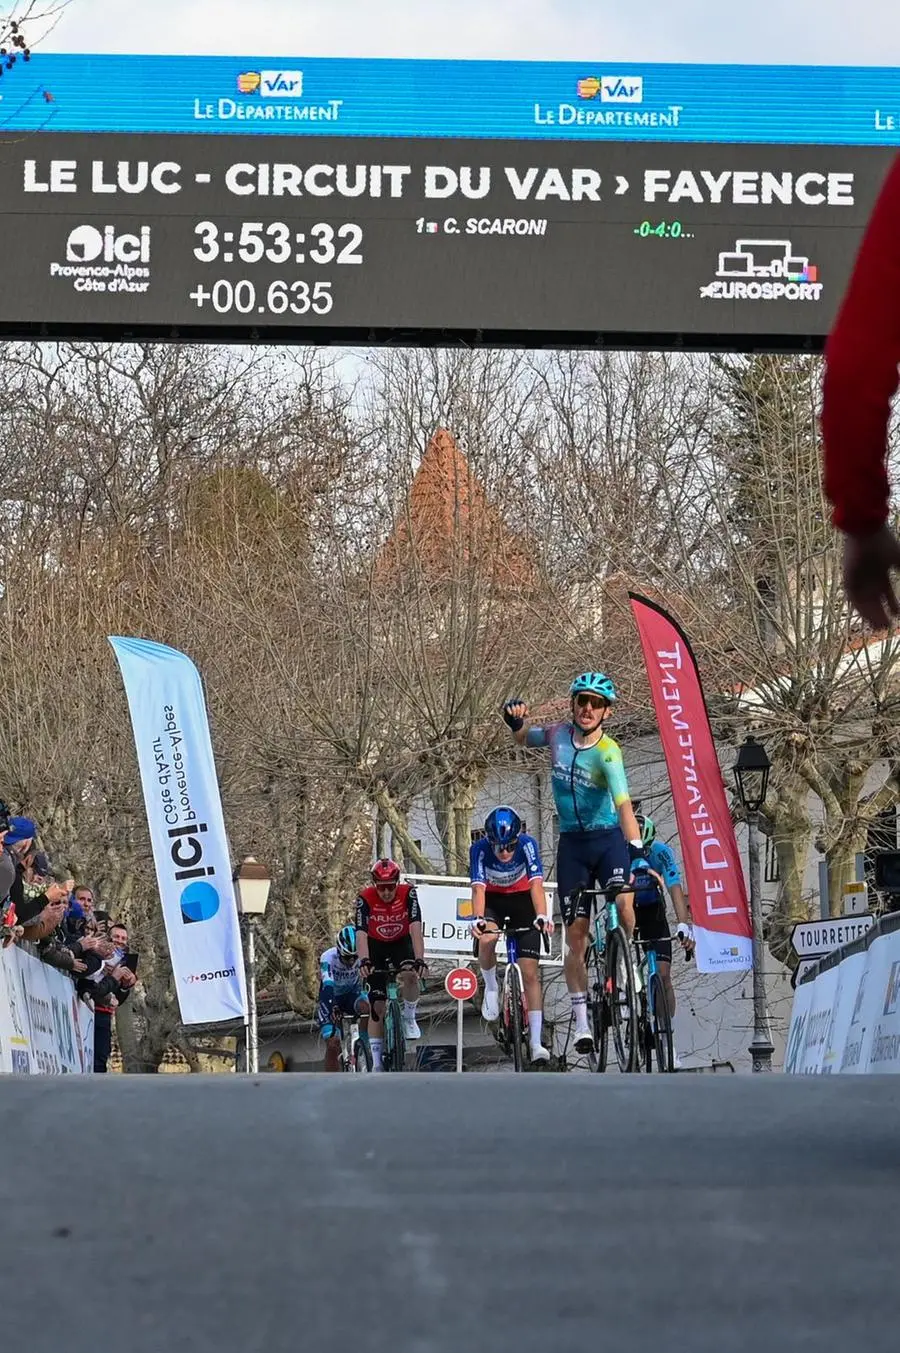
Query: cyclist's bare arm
418, 939
627, 821
478, 895
679, 902
539, 897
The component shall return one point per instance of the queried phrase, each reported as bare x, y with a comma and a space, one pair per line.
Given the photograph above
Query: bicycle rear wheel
394, 1040
645, 1034
622, 1000
514, 1013
662, 1026
599, 1012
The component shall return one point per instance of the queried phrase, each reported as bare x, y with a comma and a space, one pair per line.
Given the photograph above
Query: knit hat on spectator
20, 829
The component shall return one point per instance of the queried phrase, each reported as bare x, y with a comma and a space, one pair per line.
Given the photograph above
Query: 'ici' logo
186, 850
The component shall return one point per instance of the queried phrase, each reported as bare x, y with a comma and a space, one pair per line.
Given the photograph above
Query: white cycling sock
535, 1022
376, 1044
579, 1009
410, 1008
490, 978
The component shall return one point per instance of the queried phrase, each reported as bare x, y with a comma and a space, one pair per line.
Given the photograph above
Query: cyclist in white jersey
341, 989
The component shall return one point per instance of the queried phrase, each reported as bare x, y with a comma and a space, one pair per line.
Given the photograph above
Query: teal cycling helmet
595, 683
648, 829
346, 942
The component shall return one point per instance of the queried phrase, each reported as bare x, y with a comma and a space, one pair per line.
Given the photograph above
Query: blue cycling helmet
346, 942
503, 827
596, 683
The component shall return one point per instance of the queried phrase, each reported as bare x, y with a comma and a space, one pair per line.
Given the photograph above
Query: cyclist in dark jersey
599, 838
388, 931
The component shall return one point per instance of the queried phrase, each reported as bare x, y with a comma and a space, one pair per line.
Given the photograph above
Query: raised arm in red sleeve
861, 376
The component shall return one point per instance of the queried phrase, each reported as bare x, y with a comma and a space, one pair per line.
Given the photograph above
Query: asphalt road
436, 1214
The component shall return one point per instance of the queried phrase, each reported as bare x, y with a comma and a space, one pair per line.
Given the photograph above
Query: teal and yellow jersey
589, 783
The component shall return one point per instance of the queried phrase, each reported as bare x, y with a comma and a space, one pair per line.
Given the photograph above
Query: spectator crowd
40, 904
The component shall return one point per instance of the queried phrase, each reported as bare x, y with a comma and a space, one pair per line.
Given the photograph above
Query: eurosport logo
763, 270
223, 974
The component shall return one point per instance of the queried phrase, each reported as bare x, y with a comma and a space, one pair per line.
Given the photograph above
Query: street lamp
751, 774
251, 890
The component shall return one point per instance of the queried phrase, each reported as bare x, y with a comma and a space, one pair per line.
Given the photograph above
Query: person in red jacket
861, 378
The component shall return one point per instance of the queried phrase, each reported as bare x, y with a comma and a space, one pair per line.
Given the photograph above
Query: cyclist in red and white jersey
389, 931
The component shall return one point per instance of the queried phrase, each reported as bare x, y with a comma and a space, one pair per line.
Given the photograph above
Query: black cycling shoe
584, 1044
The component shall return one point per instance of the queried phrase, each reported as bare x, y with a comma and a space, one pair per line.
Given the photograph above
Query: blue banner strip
583, 101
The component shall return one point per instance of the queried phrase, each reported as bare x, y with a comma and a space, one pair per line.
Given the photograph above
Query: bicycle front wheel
662, 1026
623, 1000
394, 1058
514, 1010
599, 1011
362, 1055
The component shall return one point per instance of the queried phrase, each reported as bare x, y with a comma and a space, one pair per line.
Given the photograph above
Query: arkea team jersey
506, 876
588, 783
661, 859
387, 921
333, 971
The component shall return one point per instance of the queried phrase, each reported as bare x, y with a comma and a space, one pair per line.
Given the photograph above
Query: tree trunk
328, 896
395, 820
842, 867
792, 836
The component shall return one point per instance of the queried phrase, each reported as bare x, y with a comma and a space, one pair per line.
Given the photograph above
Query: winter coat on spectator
7, 874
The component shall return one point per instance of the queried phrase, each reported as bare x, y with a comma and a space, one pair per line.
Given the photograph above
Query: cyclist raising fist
599, 838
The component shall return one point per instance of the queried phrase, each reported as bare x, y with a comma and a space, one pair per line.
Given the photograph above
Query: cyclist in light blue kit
651, 923
340, 989
599, 839
508, 886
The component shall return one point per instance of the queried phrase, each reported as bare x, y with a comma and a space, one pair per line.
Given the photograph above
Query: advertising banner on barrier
878, 1016
712, 863
846, 1019
447, 915
797, 1031
834, 1056
818, 1023
44, 1028
187, 829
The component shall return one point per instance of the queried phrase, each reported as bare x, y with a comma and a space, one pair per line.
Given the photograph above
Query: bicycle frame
392, 1016
604, 1018
508, 1038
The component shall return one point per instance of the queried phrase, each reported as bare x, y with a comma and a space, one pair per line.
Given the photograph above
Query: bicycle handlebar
405, 965
518, 930
646, 944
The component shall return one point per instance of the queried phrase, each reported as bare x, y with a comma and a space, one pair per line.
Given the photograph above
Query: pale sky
827, 32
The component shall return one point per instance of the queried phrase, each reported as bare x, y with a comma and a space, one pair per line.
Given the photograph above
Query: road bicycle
356, 1052
513, 1033
612, 990
394, 1053
654, 1020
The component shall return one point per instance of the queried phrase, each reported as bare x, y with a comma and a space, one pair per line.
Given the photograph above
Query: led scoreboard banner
417, 201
